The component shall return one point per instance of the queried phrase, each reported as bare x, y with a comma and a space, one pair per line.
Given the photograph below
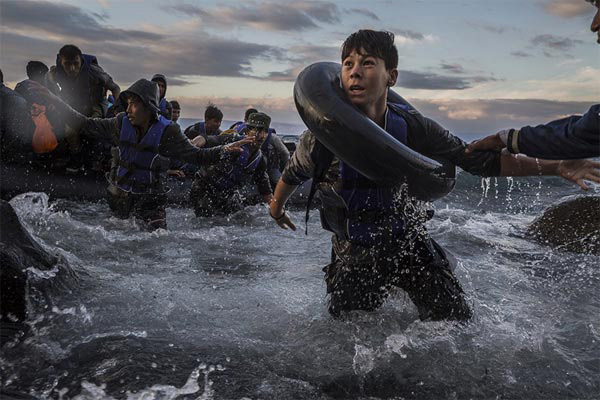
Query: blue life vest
370, 213
163, 107
139, 163
241, 168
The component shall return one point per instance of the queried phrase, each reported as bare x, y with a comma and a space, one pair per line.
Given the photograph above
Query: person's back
16, 126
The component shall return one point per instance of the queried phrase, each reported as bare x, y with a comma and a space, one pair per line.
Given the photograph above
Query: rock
18, 252
573, 225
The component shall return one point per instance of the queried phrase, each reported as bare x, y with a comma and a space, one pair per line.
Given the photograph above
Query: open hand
280, 217
236, 147
578, 170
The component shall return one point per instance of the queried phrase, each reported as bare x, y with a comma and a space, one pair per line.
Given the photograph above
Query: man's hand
236, 147
199, 141
492, 142
578, 170
280, 216
176, 172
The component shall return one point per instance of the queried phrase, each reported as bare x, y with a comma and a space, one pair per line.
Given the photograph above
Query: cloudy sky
475, 66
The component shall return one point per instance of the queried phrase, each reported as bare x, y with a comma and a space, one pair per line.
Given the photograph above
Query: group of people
379, 242
133, 136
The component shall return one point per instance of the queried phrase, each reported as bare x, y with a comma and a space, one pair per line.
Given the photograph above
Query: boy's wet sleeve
301, 167
438, 141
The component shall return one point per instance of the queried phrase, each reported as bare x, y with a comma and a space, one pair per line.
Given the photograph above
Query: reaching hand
492, 142
236, 147
283, 220
176, 172
578, 170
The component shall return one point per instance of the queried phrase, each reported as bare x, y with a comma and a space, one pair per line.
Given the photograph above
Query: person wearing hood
225, 187
163, 104
140, 137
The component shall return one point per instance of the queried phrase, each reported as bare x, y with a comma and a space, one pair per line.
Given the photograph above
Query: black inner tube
360, 142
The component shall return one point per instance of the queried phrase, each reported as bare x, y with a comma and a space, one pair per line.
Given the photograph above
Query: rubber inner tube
354, 138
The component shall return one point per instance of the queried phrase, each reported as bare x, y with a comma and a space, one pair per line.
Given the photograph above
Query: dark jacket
166, 110
173, 143
16, 126
260, 177
87, 93
199, 129
436, 141
567, 138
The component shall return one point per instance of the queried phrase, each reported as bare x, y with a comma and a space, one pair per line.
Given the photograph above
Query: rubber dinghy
354, 138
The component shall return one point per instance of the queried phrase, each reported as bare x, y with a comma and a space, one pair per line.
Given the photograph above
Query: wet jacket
274, 150
198, 129
87, 93
367, 213
235, 170
423, 135
567, 138
139, 161
16, 126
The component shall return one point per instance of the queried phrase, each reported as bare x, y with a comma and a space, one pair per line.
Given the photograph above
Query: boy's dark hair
248, 112
375, 43
212, 112
1, 77
35, 69
175, 105
69, 51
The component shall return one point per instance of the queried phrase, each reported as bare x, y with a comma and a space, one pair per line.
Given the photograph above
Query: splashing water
148, 308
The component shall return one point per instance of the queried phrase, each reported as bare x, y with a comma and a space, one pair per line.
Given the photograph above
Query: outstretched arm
574, 137
283, 191
572, 170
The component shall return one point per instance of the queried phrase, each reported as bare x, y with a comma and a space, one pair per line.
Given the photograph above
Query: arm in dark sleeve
105, 79
438, 142
261, 178
175, 145
282, 151
212, 141
567, 138
301, 167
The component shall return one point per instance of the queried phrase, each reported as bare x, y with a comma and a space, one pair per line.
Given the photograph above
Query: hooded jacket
166, 110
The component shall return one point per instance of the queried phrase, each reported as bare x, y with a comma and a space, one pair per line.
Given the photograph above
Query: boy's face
136, 111
258, 134
365, 78
212, 124
175, 113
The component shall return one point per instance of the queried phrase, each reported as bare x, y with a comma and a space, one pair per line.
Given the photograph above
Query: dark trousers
419, 267
149, 208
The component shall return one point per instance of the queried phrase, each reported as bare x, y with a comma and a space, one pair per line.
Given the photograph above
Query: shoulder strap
322, 158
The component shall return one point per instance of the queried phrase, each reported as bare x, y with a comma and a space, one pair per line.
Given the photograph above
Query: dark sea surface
235, 308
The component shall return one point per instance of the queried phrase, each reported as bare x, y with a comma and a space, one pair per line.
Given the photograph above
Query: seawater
235, 308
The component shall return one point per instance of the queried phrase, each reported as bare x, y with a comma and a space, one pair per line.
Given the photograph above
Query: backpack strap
322, 158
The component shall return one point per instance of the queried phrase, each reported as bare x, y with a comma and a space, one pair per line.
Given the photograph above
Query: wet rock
18, 252
573, 225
